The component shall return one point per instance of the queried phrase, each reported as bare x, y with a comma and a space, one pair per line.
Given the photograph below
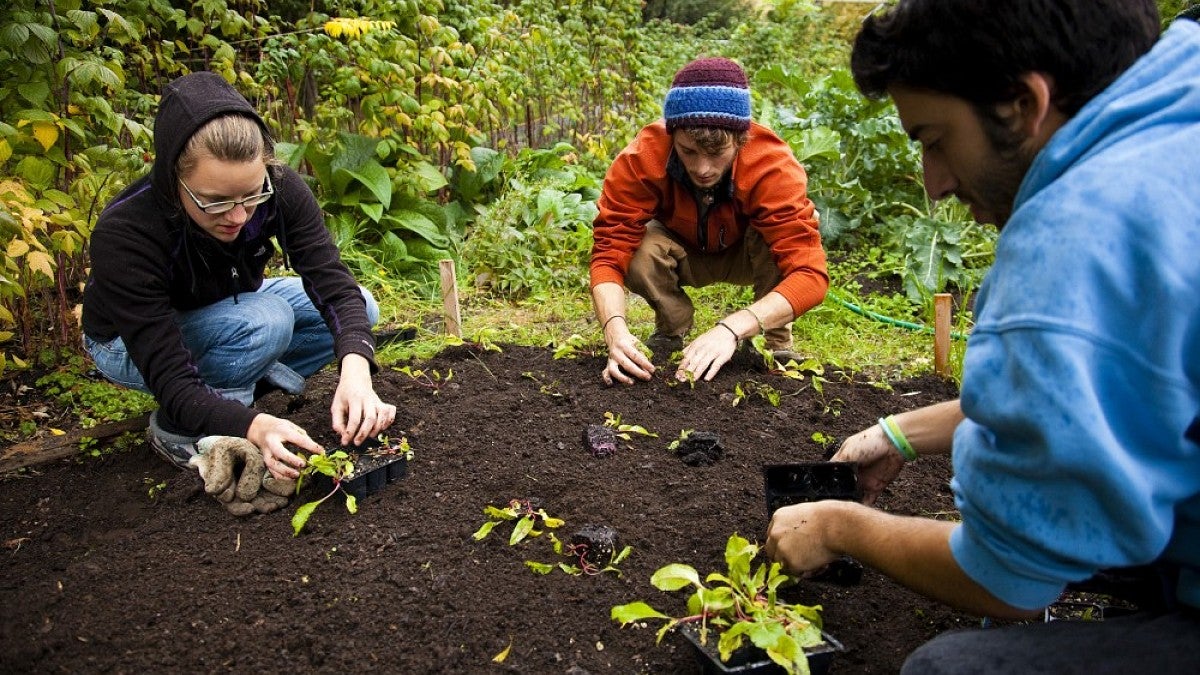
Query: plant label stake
941, 334
452, 319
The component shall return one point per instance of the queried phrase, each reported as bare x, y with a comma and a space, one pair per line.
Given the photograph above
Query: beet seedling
738, 604
583, 557
337, 466
744, 390
432, 380
525, 515
613, 421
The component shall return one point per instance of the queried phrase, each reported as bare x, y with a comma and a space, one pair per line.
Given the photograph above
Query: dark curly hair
978, 50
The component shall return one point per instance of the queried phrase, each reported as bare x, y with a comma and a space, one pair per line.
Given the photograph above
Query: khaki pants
663, 265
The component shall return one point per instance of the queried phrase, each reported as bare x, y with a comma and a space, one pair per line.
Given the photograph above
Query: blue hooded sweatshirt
1082, 374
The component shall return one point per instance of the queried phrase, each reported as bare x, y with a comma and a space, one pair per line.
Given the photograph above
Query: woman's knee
372, 306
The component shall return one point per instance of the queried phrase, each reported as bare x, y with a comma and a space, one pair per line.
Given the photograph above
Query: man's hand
878, 461
705, 356
796, 537
357, 411
625, 356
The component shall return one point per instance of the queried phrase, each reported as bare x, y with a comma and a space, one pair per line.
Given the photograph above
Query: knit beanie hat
710, 92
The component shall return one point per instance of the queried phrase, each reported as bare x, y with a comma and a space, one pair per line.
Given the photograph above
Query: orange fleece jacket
769, 193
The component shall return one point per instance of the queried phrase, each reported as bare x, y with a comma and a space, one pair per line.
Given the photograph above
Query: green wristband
893, 433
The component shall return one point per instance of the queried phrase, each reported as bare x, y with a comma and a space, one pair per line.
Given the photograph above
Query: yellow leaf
57, 432
46, 133
499, 658
17, 248
5, 150
40, 262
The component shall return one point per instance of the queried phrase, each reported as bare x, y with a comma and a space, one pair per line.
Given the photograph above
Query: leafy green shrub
536, 238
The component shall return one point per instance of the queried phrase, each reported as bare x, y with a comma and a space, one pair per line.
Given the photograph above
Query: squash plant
739, 604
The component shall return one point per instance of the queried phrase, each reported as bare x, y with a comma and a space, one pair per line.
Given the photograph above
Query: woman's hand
357, 411
270, 433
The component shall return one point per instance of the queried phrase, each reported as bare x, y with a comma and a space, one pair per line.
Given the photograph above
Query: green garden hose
889, 320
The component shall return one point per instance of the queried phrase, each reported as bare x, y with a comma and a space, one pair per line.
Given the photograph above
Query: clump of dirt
118, 564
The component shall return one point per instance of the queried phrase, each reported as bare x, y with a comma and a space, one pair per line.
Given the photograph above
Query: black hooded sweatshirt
150, 261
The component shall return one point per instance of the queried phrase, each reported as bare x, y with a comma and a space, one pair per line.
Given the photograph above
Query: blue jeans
275, 334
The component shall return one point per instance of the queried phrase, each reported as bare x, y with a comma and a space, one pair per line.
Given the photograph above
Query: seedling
586, 561
432, 380
550, 389
388, 447
738, 604
570, 347
155, 488
526, 516
337, 466
683, 436
823, 440
613, 421
744, 390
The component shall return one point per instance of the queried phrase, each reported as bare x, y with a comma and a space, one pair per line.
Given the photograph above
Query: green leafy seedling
683, 436
338, 467
739, 604
526, 518
582, 564
613, 421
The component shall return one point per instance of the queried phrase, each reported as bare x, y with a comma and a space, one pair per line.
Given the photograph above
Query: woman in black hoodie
177, 304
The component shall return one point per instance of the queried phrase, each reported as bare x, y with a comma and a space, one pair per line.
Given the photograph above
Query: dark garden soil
98, 575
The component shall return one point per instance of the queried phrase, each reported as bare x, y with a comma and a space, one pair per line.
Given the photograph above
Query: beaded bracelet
892, 431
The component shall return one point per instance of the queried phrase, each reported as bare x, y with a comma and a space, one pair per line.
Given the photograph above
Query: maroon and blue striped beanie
710, 92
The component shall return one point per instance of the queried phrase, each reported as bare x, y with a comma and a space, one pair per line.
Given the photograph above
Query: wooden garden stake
452, 319
941, 334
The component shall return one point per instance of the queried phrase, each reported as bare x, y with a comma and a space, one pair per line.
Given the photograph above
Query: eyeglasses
216, 208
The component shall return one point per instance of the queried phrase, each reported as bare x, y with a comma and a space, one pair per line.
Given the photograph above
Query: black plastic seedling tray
799, 483
750, 660
375, 466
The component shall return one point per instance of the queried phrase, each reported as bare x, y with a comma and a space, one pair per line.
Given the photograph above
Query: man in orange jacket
704, 196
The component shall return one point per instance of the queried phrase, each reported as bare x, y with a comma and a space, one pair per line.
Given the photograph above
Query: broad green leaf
635, 611
290, 153
37, 93
373, 210
414, 222
674, 577
351, 503
37, 171
540, 568
485, 529
376, 179
428, 177
300, 518
521, 529
13, 34
502, 514
816, 142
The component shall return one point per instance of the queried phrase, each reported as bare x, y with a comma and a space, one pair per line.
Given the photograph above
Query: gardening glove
233, 470
275, 493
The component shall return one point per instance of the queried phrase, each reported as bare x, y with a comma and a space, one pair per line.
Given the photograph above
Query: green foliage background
475, 130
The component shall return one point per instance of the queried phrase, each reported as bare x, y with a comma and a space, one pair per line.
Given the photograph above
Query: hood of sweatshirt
187, 104
1148, 101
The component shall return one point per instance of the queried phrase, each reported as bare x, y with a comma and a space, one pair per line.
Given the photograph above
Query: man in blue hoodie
1074, 127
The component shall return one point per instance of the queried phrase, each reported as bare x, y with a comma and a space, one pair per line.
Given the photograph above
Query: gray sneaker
174, 448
